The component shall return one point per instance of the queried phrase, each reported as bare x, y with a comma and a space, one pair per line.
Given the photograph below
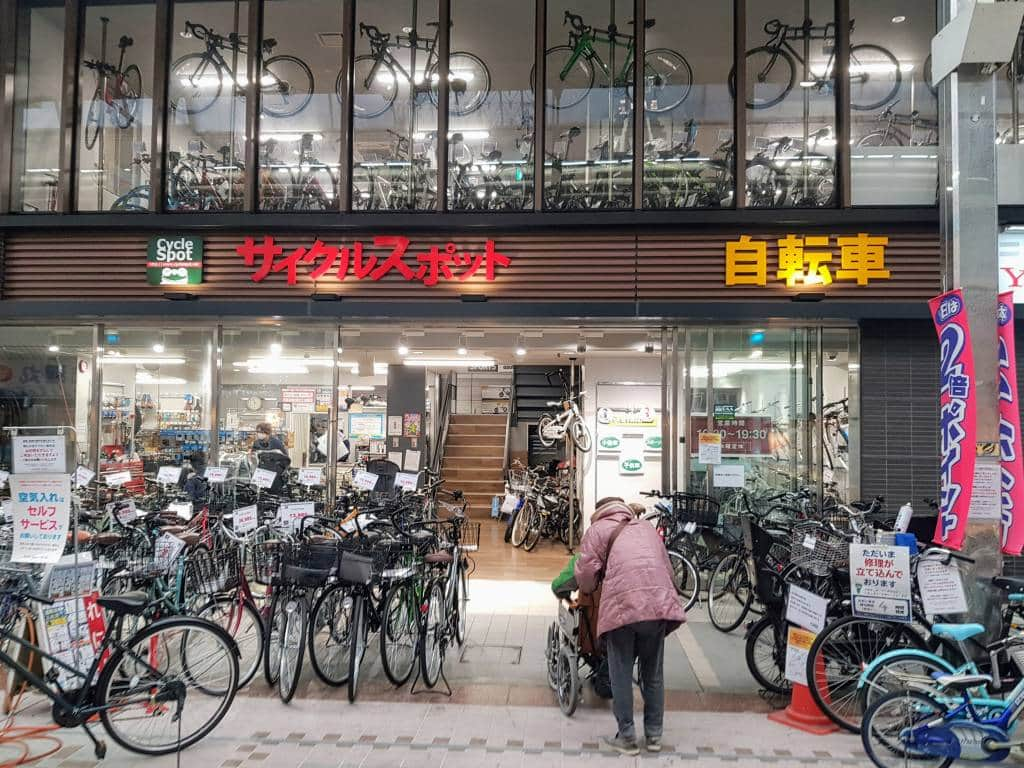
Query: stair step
478, 419
473, 471
483, 430
493, 441
473, 451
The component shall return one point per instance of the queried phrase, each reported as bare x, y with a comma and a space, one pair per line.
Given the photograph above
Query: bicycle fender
206, 624
906, 653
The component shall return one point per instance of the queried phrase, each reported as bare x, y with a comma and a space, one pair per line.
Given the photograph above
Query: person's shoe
653, 744
620, 744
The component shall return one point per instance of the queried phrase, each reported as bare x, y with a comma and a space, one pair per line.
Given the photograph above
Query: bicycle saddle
493, 156
132, 603
438, 558
1009, 583
963, 682
106, 539
957, 631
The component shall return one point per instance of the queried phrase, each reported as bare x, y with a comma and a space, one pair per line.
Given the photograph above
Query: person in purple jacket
639, 607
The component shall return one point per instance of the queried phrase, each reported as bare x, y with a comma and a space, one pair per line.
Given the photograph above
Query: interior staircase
473, 460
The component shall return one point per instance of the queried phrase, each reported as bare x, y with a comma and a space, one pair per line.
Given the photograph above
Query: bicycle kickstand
448, 688
99, 746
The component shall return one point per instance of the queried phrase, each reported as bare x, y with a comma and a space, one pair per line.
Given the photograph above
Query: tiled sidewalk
263, 733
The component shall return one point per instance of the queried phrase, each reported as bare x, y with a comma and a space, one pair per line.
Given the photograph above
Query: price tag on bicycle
117, 479
809, 542
291, 514
124, 511
83, 476
168, 475
364, 481
311, 476
263, 478
245, 519
166, 551
407, 481
182, 509
689, 527
216, 474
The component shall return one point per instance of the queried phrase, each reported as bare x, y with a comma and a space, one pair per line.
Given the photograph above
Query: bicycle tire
521, 525
581, 436
768, 192
837, 657
400, 604
431, 630
725, 622
789, 80
542, 424
686, 578
184, 74
883, 96
272, 641
885, 679
223, 610
357, 646
184, 189
568, 690
481, 94
551, 655
766, 656
672, 60
93, 120
330, 658
533, 534
555, 60
305, 93
139, 653
131, 92
461, 607
293, 637
881, 139
387, 95
918, 707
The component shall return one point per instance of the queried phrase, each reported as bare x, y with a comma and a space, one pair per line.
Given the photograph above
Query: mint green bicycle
571, 68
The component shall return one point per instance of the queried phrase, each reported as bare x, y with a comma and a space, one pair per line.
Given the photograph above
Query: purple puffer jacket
637, 577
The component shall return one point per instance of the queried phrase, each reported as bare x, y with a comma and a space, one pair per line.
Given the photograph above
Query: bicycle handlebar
575, 21
198, 31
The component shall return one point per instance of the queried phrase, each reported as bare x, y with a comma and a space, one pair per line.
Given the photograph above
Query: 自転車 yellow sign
807, 261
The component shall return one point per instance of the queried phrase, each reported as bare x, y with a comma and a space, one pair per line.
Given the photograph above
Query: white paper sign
709, 449
291, 514
117, 479
364, 481
407, 481
41, 504
311, 476
263, 478
168, 475
394, 426
985, 498
245, 519
798, 646
33, 455
182, 509
216, 474
942, 590
166, 551
123, 510
395, 457
806, 609
83, 476
508, 506
412, 461
880, 581
729, 475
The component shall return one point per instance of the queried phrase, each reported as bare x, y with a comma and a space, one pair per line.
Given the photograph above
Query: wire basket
817, 549
362, 559
449, 509
444, 530
519, 480
264, 558
209, 574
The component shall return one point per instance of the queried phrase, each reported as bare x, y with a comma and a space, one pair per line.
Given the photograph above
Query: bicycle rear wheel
729, 593
875, 77
668, 79
286, 87
533, 533
94, 120
469, 83
461, 607
126, 103
892, 717
241, 620
180, 665
431, 631
686, 578
293, 644
272, 640
398, 633
357, 645
331, 635
523, 521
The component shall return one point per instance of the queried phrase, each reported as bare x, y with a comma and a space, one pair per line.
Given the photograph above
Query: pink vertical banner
957, 433
1010, 458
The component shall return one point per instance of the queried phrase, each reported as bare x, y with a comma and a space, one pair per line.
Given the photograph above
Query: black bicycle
875, 73
156, 691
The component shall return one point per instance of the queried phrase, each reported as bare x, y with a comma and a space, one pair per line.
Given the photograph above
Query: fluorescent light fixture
275, 348
472, 135
145, 377
808, 83
403, 348
898, 19
362, 388
257, 362
142, 360
158, 348
756, 354
442, 362
53, 348
278, 367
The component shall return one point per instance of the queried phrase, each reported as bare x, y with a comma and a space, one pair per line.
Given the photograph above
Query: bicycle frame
584, 46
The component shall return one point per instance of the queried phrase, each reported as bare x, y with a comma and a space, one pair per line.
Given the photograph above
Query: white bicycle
553, 427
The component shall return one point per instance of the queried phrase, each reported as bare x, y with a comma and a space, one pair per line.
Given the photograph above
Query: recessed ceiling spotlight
898, 19
159, 348
54, 348
403, 347
462, 346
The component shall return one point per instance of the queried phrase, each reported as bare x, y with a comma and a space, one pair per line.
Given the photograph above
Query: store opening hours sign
741, 435
386, 256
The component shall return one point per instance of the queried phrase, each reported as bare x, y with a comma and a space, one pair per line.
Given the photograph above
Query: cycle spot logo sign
176, 260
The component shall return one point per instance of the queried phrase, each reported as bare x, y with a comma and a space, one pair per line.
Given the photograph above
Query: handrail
508, 436
444, 419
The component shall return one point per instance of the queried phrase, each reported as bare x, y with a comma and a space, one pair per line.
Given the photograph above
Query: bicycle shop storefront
177, 350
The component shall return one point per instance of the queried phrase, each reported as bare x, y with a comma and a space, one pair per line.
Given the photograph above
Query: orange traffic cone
803, 714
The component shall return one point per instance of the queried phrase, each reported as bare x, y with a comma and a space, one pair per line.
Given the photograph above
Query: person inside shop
271, 455
639, 606
266, 440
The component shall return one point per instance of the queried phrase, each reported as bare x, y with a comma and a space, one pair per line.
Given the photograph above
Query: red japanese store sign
437, 264
742, 436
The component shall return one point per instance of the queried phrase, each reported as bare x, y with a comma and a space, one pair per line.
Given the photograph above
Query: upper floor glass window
115, 83
39, 59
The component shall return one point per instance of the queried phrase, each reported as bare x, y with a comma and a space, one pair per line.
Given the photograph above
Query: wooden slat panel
548, 267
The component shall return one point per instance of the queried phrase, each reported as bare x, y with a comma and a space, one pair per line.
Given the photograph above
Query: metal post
639, 101
841, 73
68, 154
667, 414
348, 47
819, 411
101, 143
96, 400
571, 445
331, 471
216, 369
161, 78
709, 400
254, 73
793, 437
540, 35
739, 106
682, 443
8, 33
444, 38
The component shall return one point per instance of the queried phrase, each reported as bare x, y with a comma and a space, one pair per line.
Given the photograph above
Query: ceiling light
158, 348
403, 347
520, 351
454, 362
145, 377
54, 348
898, 19
462, 346
275, 348
272, 367
142, 360
756, 353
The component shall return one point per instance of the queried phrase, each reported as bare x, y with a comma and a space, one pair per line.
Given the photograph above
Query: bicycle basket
307, 564
518, 480
818, 550
696, 508
208, 574
264, 559
362, 559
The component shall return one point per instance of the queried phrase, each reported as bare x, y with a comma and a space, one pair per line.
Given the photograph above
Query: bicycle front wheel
398, 633
668, 79
431, 632
129, 92
729, 593
686, 579
196, 83
581, 435
241, 620
875, 77
357, 645
461, 607
569, 77
533, 532
543, 426
286, 87
469, 83
374, 86
168, 686
888, 722
293, 644
766, 655
331, 635
94, 120
272, 640
522, 524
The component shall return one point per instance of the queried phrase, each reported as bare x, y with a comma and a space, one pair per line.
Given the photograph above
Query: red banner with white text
1010, 460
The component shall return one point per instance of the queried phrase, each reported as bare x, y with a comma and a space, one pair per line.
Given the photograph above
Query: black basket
363, 559
264, 561
696, 508
307, 564
210, 574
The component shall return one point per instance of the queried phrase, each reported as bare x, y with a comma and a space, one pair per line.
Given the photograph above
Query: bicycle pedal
100, 750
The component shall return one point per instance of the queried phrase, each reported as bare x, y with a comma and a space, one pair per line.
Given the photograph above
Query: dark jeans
645, 641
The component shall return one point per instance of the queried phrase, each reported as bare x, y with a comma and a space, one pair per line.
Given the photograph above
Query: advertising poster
709, 450
295, 399
411, 424
41, 506
798, 646
958, 436
366, 426
1011, 461
34, 455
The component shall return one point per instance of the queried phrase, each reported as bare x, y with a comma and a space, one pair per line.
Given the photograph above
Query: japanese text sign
168, 475
166, 550
942, 591
245, 519
806, 609
39, 454
298, 399
83, 476
41, 505
117, 479
364, 481
807, 261
709, 448
437, 264
291, 514
216, 474
311, 476
880, 581
407, 481
798, 647
263, 478
957, 434
741, 435
1010, 460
